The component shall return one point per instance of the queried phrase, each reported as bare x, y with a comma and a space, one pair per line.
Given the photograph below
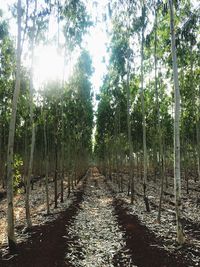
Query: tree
143, 16
10, 216
28, 179
177, 174
7, 63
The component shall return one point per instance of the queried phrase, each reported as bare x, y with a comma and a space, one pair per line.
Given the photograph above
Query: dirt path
146, 249
96, 230
100, 237
49, 242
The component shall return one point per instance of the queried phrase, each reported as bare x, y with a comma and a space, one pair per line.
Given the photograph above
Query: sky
48, 64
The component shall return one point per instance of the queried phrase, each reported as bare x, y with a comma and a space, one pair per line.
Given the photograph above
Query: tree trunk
158, 126
69, 184
56, 175
62, 183
68, 170
177, 176
198, 133
10, 156
131, 180
143, 120
28, 217
46, 167
30, 167
198, 136
1, 150
130, 144
62, 159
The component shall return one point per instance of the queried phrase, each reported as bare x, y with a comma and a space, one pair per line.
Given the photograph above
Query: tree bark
131, 174
198, 134
56, 174
46, 167
177, 174
144, 121
12, 125
30, 167
158, 126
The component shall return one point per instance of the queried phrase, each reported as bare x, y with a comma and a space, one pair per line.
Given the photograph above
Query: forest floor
95, 227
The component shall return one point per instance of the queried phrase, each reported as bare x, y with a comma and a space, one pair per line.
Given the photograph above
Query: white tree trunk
159, 133
10, 163
28, 216
130, 143
177, 175
131, 173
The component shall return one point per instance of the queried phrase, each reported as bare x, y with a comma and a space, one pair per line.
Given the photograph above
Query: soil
49, 243
146, 249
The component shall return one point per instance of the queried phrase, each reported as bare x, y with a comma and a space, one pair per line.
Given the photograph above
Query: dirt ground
63, 241
145, 247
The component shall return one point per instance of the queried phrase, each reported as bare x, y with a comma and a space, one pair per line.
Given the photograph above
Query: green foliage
112, 108
119, 49
76, 22
18, 163
65, 110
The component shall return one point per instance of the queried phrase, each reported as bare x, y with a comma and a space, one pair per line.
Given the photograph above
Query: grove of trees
150, 97
148, 116
46, 132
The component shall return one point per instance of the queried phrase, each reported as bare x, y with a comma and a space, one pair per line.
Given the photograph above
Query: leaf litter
96, 226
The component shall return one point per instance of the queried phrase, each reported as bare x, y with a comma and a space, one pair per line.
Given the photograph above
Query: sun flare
48, 65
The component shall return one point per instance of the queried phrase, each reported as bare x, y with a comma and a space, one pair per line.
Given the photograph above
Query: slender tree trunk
75, 170
1, 149
68, 169
69, 184
5, 140
144, 121
46, 167
131, 180
10, 156
62, 158
72, 179
177, 174
130, 144
56, 175
162, 173
157, 126
165, 167
30, 167
158, 135
62, 182
198, 135
28, 217
63, 125
154, 156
